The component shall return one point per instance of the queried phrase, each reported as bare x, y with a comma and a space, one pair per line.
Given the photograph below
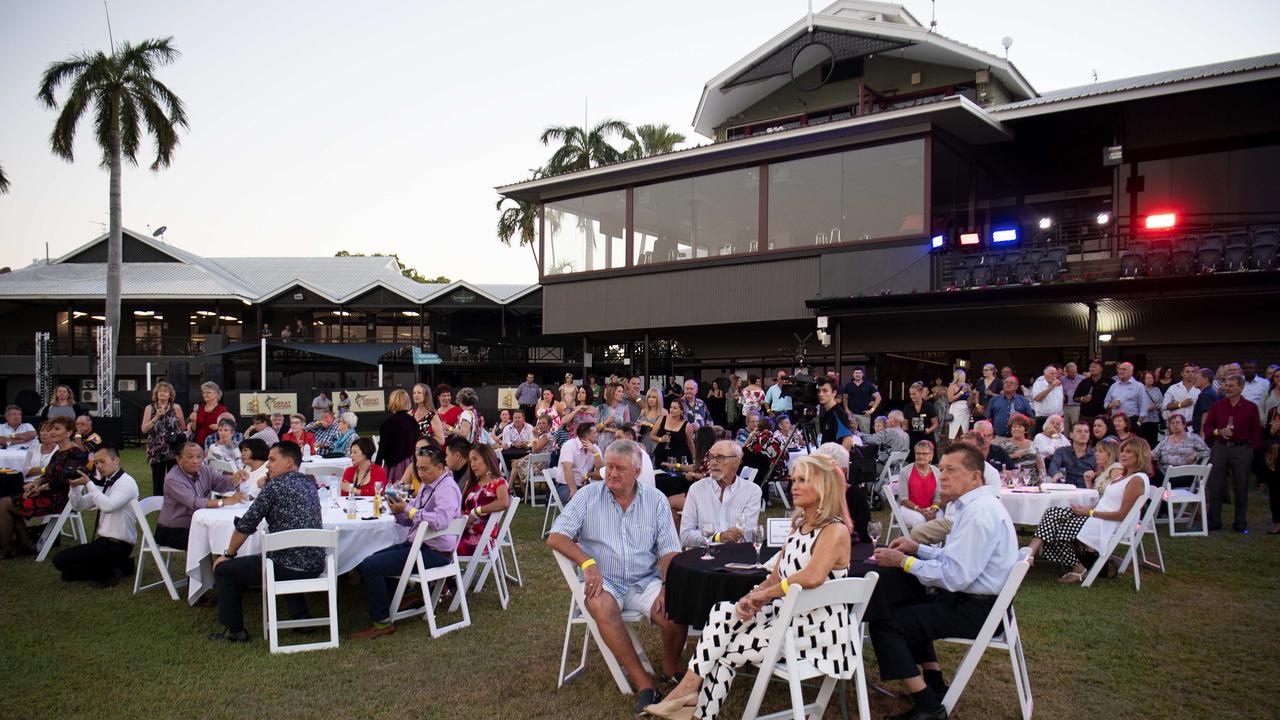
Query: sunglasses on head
429, 452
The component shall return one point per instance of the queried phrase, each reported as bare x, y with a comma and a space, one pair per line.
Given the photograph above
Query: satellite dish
159, 231
1007, 42
813, 55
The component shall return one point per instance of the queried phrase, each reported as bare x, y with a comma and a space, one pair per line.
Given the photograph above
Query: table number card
777, 531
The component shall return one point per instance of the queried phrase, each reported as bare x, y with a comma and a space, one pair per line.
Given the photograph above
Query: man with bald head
1127, 395
722, 499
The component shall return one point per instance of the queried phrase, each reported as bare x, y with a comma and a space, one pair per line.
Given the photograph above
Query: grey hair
734, 448
1239, 379
228, 422
627, 448
212, 386
896, 416
350, 419
467, 397
836, 452
695, 384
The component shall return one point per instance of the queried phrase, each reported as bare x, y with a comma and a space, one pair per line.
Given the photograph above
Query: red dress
53, 498
450, 417
479, 496
206, 418
377, 474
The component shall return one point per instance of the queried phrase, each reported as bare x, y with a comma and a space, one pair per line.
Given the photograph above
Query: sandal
673, 707
1113, 567
1072, 578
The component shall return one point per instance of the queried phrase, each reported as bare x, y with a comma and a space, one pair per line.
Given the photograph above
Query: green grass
1174, 650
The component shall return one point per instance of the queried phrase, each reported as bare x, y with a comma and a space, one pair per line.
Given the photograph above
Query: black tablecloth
671, 484
694, 585
510, 455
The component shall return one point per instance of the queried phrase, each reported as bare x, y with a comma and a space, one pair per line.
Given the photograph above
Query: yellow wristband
785, 586
716, 537
1090, 512
412, 510
587, 563
907, 562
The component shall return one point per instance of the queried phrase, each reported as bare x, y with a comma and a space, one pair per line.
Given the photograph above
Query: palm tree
520, 217
4, 181
649, 140
582, 149
127, 100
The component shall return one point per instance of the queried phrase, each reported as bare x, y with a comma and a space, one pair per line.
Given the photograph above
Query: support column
586, 348
839, 349
646, 361
1095, 348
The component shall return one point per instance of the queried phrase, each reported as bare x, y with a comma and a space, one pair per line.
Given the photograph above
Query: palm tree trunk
114, 250
534, 251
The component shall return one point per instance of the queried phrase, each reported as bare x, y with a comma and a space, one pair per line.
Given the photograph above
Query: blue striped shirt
626, 545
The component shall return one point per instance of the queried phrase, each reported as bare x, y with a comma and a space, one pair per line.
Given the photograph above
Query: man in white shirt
722, 499
14, 431
319, 404
105, 560
580, 462
1181, 397
1046, 396
519, 434
967, 575
1255, 386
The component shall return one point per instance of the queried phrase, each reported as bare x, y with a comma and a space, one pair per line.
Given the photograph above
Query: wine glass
757, 540
708, 532
874, 528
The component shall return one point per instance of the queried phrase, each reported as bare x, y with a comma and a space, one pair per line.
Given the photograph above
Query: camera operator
110, 492
833, 421
777, 398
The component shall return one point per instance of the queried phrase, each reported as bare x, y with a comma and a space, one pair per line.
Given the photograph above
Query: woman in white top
958, 404
1065, 533
222, 448
253, 469
39, 453
1051, 438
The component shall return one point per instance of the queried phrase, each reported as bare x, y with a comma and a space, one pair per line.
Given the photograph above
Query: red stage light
1161, 221
970, 239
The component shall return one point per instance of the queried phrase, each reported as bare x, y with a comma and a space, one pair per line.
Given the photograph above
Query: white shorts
639, 598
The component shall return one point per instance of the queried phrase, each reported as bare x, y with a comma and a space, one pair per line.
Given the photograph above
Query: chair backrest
150, 504
1237, 239
893, 465
1213, 241
141, 509
571, 578
981, 275
1047, 270
508, 516
311, 537
1155, 493
538, 462
221, 466
1188, 243
748, 474
488, 543
1000, 609
961, 276
1198, 474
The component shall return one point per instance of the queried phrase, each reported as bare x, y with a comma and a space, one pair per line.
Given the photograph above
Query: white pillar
379, 374
148, 375
263, 364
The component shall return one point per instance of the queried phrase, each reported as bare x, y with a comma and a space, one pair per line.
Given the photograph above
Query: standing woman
673, 436
429, 424
444, 406
63, 405
164, 428
470, 424
753, 397
614, 414
958, 405
582, 412
204, 419
651, 413
732, 406
344, 403
716, 404
550, 407
987, 387
397, 435
1149, 429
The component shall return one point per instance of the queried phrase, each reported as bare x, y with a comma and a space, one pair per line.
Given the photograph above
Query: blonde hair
652, 394
398, 400
1112, 450
1139, 447
820, 471
164, 385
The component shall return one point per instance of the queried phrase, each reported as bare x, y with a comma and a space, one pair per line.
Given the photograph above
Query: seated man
325, 431
580, 462
1070, 463
288, 501
437, 503
625, 540
236, 435
519, 434
85, 436
110, 491
261, 428
187, 488
722, 499
893, 438
968, 574
14, 431
995, 455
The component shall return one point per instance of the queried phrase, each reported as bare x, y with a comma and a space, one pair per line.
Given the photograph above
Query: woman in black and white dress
738, 634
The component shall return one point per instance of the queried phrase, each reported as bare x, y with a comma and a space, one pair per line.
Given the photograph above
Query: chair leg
824, 697
864, 703
515, 560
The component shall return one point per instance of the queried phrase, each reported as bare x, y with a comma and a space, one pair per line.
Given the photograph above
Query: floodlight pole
262, 365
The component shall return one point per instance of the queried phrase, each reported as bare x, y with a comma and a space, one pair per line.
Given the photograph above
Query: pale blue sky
383, 126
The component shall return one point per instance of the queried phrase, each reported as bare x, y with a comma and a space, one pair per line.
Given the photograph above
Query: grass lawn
1174, 650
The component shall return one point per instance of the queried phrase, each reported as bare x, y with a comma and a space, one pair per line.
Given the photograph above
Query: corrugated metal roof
1199, 72
141, 280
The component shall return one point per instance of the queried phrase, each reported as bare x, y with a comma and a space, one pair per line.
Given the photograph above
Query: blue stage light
1004, 235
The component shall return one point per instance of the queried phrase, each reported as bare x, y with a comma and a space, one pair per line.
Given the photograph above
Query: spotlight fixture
1046, 223
1105, 337
1161, 221
1104, 218
1004, 235
936, 242
971, 238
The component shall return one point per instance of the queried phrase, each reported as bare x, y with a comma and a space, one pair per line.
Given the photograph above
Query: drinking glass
757, 540
377, 488
874, 528
708, 532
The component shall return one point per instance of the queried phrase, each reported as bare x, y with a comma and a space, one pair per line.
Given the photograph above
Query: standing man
1091, 392
288, 501
1047, 396
1255, 386
319, 404
861, 398
106, 559
1127, 395
633, 398
622, 536
1233, 428
1205, 400
1181, 397
695, 410
773, 397
527, 395
1002, 406
833, 422
1070, 405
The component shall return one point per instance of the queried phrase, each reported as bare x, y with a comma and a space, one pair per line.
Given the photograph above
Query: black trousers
172, 537
158, 471
233, 577
905, 640
1229, 461
94, 561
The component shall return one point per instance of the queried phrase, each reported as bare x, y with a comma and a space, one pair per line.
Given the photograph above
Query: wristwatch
220, 502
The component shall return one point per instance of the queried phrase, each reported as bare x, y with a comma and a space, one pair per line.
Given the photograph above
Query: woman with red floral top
486, 493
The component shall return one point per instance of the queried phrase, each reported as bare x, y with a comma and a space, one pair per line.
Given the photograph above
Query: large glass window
699, 217
864, 194
585, 233
1199, 186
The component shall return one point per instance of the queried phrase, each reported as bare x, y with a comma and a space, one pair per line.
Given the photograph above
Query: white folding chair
554, 507
326, 582
780, 658
748, 474
534, 466
486, 558
221, 466
1128, 532
506, 542
160, 554
895, 512
1184, 499
1147, 525
415, 570
328, 476
502, 462
891, 471
776, 487
999, 632
68, 523
578, 615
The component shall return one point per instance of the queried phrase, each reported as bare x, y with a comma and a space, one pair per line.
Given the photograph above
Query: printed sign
777, 530
268, 403
507, 399
367, 401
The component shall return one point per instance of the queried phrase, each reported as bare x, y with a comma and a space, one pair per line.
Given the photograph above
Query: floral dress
553, 416
479, 496
53, 497
158, 448
752, 400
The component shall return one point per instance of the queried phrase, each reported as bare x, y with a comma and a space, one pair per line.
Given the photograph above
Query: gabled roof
876, 23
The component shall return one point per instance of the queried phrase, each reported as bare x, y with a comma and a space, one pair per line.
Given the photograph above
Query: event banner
366, 400
251, 404
507, 399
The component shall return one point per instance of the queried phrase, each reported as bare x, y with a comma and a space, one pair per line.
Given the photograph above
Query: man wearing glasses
722, 499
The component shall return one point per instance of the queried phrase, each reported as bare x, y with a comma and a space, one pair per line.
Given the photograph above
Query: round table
1027, 505
315, 462
695, 585
211, 530
14, 458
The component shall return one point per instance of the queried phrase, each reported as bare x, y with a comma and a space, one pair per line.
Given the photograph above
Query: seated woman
789, 439
359, 479
1019, 446
504, 419
1072, 536
922, 500
736, 635
39, 453
1123, 428
1106, 457
486, 493
1178, 448
253, 471
346, 434
409, 479
46, 495
1099, 430
751, 428
224, 447
543, 442
298, 434
1051, 438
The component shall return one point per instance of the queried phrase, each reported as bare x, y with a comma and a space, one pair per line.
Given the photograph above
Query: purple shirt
436, 504
184, 494
1069, 386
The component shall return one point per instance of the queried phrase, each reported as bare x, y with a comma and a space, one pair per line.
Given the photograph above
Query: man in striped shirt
625, 539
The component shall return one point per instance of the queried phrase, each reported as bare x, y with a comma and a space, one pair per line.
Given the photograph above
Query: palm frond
556, 133
4, 181
62, 139
61, 71
130, 130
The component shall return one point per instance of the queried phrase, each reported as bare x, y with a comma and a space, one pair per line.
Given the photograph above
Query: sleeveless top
676, 449
921, 488
823, 636
1097, 531
158, 448
553, 416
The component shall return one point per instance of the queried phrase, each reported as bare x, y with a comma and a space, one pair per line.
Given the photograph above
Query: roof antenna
810, 16
110, 37
933, 15
1095, 74
1007, 42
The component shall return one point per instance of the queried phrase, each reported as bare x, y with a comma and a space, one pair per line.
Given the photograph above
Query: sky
384, 126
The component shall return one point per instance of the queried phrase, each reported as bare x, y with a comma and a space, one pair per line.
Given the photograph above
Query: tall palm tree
649, 140
520, 218
582, 149
127, 100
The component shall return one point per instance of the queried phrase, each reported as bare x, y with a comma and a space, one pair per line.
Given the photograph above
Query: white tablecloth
14, 458
1026, 508
795, 455
211, 530
341, 463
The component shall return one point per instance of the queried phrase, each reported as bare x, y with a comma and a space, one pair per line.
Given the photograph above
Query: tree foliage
411, 273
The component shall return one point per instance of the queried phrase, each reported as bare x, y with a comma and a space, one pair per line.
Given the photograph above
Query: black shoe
235, 636
916, 713
1215, 526
111, 580
675, 678
645, 698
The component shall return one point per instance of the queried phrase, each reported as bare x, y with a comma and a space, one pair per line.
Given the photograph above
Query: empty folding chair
160, 554
326, 582
1263, 253
505, 543
1187, 502
415, 571
1236, 254
961, 276
1158, 261
1182, 261
1024, 272
1213, 241
533, 475
1059, 256
1133, 261
1187, 243
1239, 237
1208, 259
981, 275
68, 523
578, 615
1033, 255
1007, 269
